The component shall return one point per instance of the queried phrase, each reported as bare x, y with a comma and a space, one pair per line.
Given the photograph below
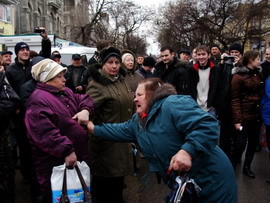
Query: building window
5, 13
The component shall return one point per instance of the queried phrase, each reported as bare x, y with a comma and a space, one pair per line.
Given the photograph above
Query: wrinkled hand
71, 160
82, 117
90, 126
181, 161
79, 88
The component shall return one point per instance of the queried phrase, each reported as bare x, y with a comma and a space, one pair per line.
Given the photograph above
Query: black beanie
19, 46
105, 54
149, 61
236, 46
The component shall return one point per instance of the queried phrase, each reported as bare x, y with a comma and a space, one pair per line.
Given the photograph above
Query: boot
247, 172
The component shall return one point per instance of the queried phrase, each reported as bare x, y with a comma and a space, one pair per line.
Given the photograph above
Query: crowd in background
233, 87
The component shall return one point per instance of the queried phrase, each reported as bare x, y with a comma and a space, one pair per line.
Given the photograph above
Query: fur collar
96, 74
163, 91
244, 69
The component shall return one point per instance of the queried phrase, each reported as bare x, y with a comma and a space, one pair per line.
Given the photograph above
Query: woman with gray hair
53, 120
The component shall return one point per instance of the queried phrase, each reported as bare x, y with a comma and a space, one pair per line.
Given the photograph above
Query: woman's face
129, 62
140, 100
255, 63
58, 81
112, 66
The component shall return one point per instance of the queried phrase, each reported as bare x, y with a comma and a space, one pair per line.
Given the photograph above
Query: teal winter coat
173, 123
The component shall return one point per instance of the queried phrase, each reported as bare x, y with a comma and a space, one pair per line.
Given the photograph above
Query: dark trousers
226, 136
250, 134
27, 168
7, 180
107, 189
267, 130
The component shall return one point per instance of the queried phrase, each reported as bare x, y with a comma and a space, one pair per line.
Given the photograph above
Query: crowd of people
190, 112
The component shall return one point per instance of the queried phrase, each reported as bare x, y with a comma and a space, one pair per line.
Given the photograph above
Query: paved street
147, 190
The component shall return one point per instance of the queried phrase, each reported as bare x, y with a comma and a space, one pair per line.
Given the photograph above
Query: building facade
7, 16
57, 16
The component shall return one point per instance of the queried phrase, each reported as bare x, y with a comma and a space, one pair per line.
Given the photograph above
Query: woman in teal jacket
173, 132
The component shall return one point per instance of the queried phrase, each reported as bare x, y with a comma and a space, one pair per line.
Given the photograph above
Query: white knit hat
46, 70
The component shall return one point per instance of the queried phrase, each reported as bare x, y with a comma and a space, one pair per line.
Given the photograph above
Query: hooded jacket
113, 104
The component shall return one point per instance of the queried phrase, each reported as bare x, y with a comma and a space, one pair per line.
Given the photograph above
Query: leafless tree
117, 21
126, 20
186, 23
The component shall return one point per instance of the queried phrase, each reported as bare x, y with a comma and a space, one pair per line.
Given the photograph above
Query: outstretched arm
118, 132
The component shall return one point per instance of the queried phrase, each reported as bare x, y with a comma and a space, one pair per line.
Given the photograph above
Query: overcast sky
153, 48
149, 2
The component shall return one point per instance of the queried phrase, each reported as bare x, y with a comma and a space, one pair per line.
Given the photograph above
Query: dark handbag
87, 195
184, 190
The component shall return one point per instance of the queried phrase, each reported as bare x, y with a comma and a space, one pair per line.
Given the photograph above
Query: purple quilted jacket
52, 132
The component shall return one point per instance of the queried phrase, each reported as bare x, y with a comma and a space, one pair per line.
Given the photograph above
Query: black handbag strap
87, 194
64, 197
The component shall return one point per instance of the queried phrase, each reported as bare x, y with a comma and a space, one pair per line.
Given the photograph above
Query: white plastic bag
74, 187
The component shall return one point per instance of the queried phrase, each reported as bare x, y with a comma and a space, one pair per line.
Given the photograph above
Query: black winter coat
265, 69
9, 102
18, 73
176, 74
74, 77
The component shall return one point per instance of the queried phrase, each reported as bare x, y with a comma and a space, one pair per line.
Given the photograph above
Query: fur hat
149, 61
236, 46
46, 70
105, 54
19, 46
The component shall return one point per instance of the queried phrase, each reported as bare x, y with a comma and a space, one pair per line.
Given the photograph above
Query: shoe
247, 172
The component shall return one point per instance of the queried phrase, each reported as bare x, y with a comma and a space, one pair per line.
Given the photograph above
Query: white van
66, 53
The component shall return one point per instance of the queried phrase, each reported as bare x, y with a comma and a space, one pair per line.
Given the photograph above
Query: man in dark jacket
215, 54
227, 131
204, 81
146, 69
56, 56
266, 64
9, 103
171, 71
74, 75
18, 74
100, 45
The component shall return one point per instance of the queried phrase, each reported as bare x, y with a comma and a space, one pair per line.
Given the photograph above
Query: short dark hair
102, 44
167, 47
249, 56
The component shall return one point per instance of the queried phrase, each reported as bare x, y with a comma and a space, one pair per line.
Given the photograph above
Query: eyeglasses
76, 59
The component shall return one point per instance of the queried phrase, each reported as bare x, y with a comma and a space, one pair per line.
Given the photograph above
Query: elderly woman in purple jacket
54, 120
